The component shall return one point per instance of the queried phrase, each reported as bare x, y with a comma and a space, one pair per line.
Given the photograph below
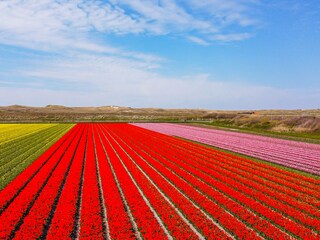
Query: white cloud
185, 94
106, 83
197, 40
113, 75
228, 11
162, 17
231, 37
51, 24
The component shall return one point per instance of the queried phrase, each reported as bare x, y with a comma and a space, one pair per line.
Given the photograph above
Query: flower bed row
16, 186
118, 181
308, 201
62, 223
278, 175
308, 220
155, 188
14, 213
301, 156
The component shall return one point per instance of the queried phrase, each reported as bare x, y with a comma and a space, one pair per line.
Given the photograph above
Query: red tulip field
298, 155
120, 181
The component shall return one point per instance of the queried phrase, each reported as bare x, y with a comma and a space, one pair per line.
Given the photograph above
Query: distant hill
275, 120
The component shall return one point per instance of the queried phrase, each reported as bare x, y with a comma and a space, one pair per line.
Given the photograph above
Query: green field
21, 144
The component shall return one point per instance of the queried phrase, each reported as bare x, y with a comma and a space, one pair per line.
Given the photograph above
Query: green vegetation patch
18, 154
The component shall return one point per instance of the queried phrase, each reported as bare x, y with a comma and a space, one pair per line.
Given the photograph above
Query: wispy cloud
57, 26
228, 11
198, 40
52, 23
163, 17
231, 37
124, 82
102, 73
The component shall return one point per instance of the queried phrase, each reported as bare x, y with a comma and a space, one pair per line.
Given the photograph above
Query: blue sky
213, 54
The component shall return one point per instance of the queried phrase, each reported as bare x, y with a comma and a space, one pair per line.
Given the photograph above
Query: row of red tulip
39, 213
91, 220
253, 179
278, 173
144, 219
276, 203
310, 221
209, 198
214, 196
291, 183
300, 156
118, 219
8, 193
283, 177
118, 181
13, 217
154, 188
63, 220
193, 199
